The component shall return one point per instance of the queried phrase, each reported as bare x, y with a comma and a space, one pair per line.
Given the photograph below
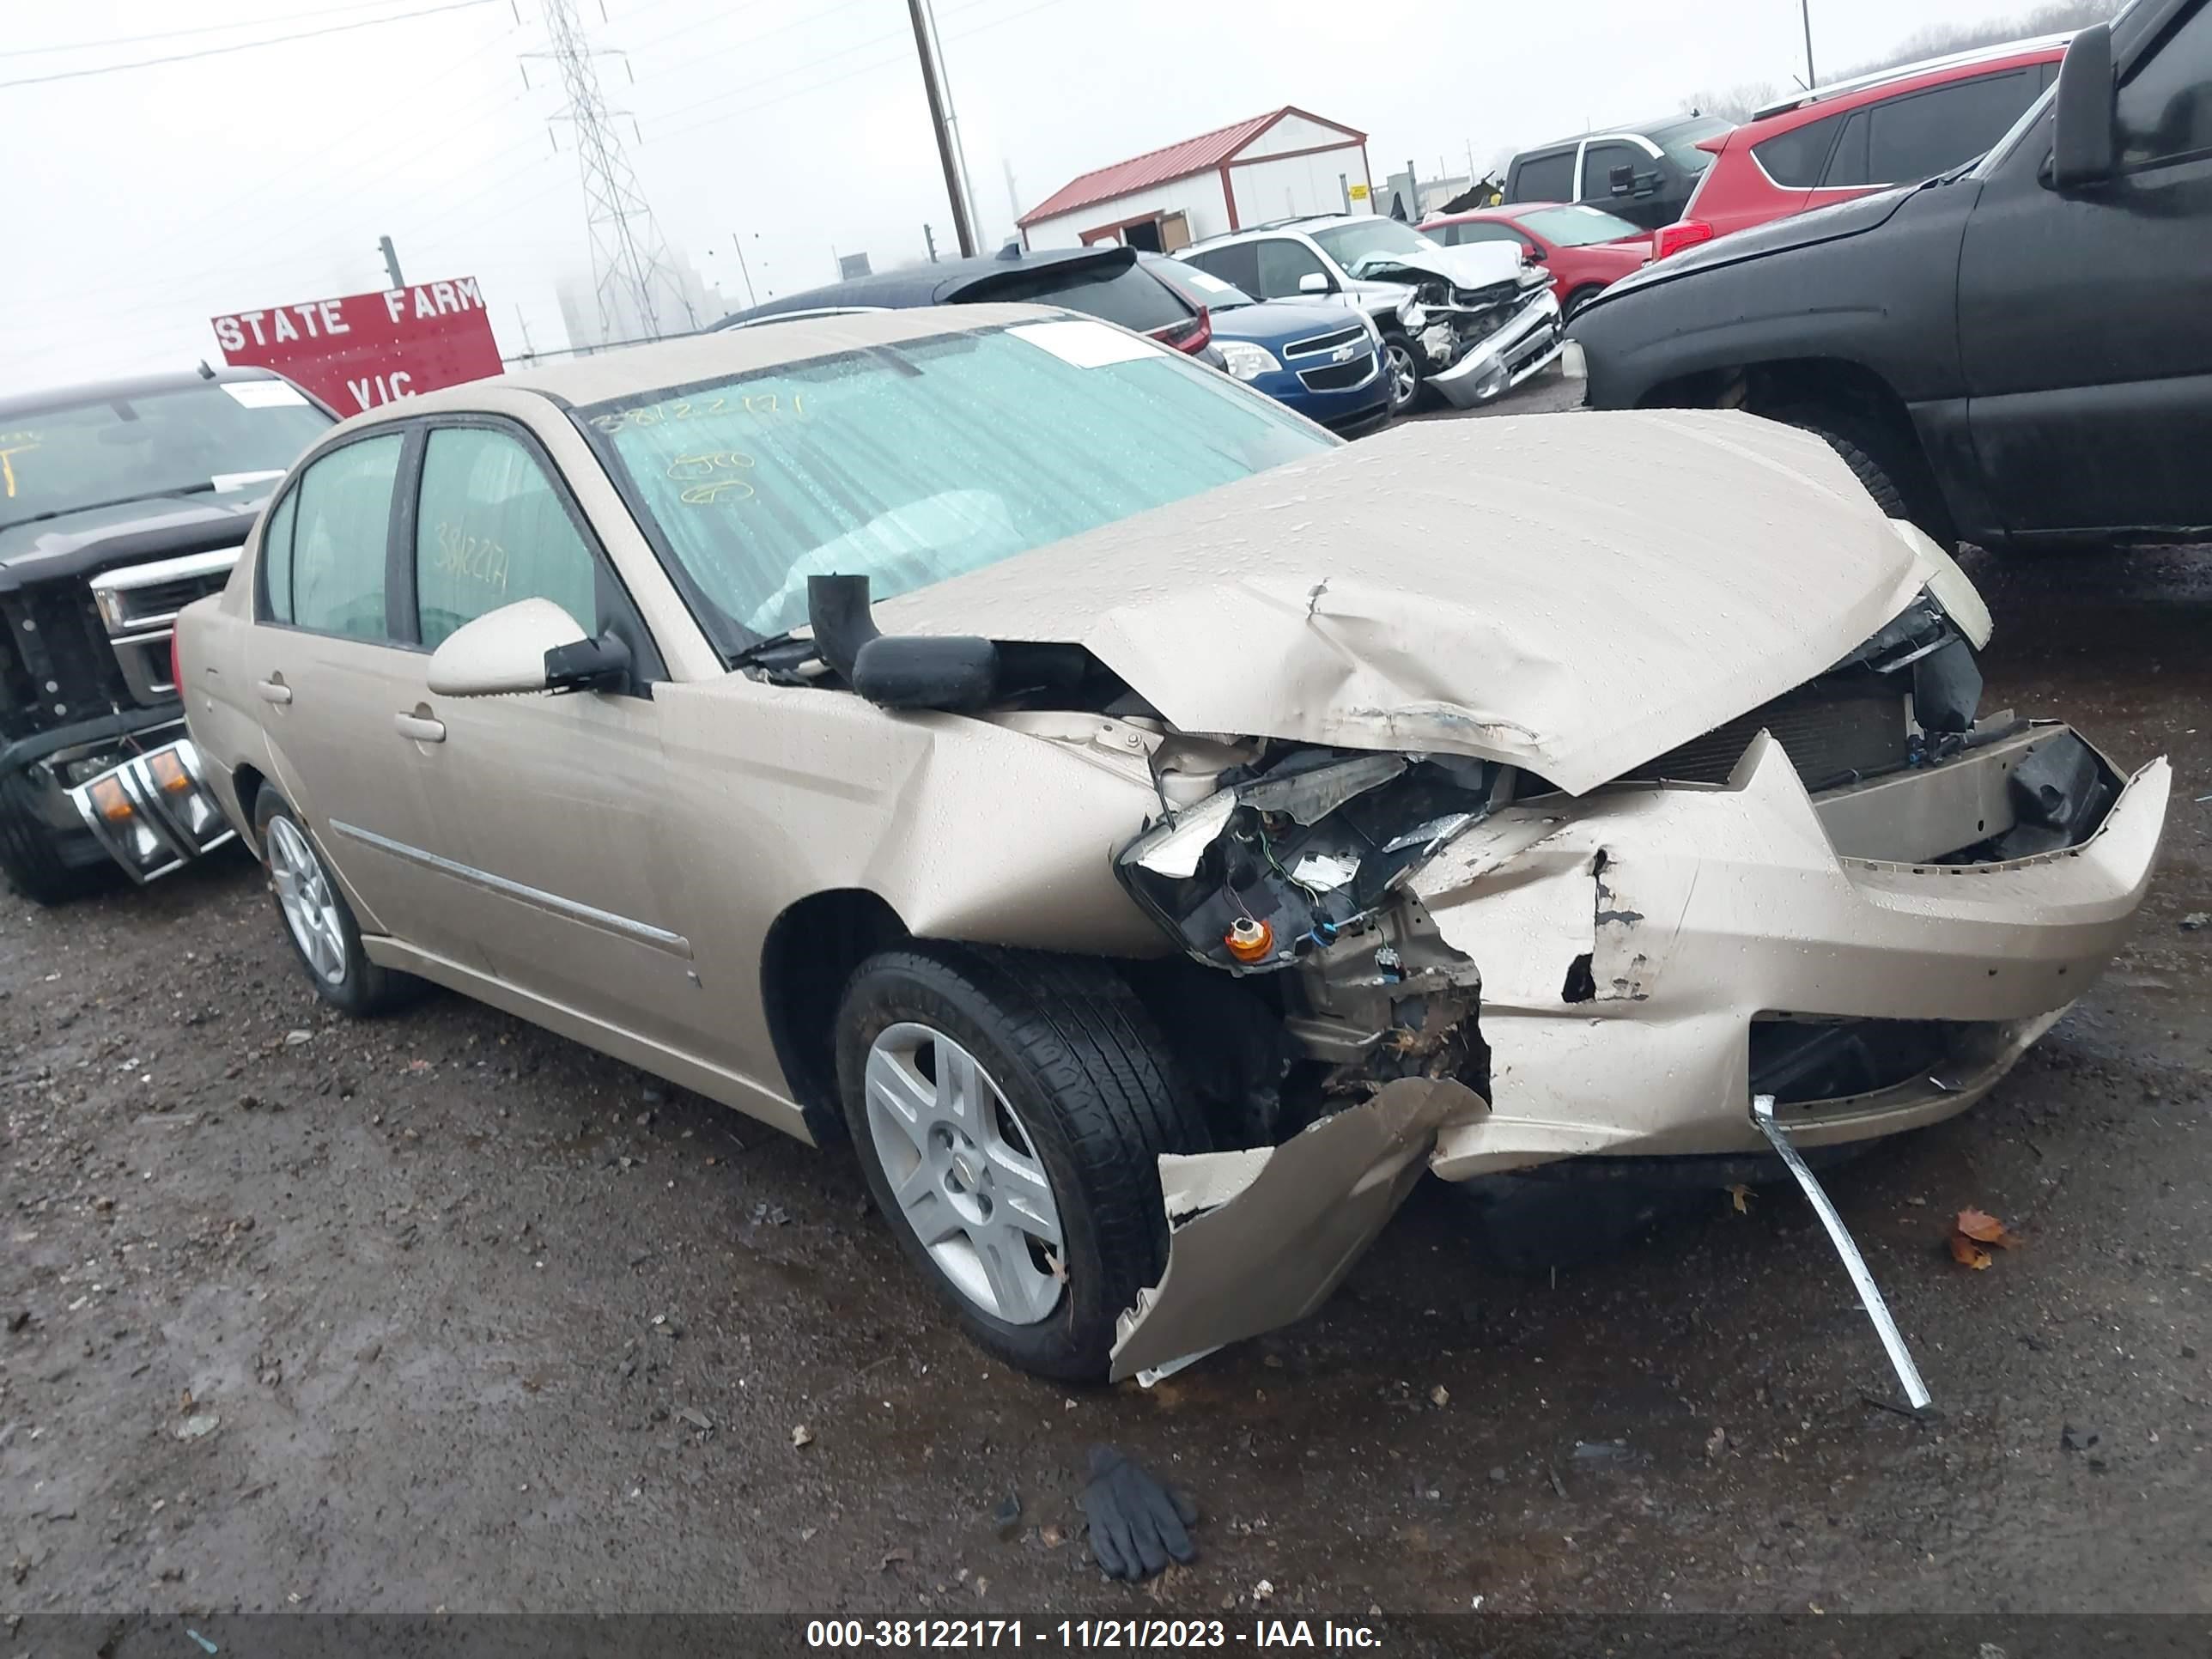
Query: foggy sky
139, 205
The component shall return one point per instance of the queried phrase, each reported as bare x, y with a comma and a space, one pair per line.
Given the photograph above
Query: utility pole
963, 231
929, 237
1013, 198
629, 260
1805, 9
528, 350
953, 125
743, 271
391, 261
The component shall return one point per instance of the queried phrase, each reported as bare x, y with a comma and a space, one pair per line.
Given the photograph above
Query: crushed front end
1477, 344
1863, 900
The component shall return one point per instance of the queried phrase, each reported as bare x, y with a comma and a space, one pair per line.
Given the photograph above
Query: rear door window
1902, 141
339, 539
1796, 159
1547, 178
1475, 230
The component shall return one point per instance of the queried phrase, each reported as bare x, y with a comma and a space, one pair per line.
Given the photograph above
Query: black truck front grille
57, 666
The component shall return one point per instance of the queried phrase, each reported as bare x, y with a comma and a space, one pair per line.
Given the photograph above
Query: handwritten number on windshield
706, 476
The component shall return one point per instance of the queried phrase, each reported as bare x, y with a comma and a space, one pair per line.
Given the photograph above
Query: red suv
1899, 126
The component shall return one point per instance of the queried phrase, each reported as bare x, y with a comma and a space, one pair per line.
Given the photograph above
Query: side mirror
532, 645
1534, 256
1315, 282
1621, 179
2082, 151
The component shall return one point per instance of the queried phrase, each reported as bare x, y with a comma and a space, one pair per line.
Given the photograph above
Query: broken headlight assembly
1283, 860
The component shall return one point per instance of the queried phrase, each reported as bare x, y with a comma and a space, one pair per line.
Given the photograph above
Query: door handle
419, 725
273, 689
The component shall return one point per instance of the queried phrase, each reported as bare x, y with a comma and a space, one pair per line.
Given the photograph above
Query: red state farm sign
369, 348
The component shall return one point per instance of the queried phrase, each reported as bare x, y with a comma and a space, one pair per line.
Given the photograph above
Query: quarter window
1794, 159
491, 529
344, 520
277, 557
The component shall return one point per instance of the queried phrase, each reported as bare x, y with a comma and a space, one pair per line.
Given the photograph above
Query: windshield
1374, 240
1682, 143
916, 462
1576, 227
220, 436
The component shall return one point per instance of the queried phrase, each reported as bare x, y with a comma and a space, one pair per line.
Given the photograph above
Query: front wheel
1580, 297
1010, 1109
317, 918
1889, 466
1403, 365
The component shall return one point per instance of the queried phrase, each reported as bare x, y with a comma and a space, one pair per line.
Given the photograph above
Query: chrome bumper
1492, 366
153, 813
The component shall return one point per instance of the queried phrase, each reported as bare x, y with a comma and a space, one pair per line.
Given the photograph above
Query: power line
243, 46
174, 34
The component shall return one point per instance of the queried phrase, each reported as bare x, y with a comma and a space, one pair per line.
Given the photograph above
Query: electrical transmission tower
630, 266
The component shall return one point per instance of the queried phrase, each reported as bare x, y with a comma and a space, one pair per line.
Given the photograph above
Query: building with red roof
1284, 164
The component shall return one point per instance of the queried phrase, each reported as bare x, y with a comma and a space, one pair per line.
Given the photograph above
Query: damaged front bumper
1488, 368
1636, 941
153, 813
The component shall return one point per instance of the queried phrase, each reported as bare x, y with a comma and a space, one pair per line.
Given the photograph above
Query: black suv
119, 505
1642, 173
2018, 351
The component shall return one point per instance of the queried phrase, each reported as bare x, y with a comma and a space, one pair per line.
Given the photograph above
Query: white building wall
1295, 184
1198, 198
1295, 132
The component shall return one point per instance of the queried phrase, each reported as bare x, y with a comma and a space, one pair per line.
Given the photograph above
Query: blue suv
1324, 360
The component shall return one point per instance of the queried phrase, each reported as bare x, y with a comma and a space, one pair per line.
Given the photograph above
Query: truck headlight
1245, 361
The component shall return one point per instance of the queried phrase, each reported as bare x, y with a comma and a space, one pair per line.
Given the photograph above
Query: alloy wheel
1405, 377
966, 1173
303, 893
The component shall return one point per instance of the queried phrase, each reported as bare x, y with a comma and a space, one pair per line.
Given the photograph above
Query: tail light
1193, 335
176, 665
1683, 233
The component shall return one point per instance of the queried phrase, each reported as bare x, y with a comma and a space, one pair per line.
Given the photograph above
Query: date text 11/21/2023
1123, 1634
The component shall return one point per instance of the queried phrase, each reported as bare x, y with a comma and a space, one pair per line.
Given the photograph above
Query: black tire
1580, 297
1894, 473
27, 857
1088, 1077
362, 989
1401, 362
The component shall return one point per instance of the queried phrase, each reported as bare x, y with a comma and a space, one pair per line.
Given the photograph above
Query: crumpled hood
1572, 593
1473, 265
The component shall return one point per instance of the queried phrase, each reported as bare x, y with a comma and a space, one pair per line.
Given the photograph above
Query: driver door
2084, 322
569, 886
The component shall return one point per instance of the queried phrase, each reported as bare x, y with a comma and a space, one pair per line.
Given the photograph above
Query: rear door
2084, 321
336, 677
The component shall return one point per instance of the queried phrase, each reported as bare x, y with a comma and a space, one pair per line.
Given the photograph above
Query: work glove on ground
1136, 1525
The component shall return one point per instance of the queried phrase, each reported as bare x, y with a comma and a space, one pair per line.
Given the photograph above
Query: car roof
713, 355
941, 284
136, 386
2031, 50
1651, 132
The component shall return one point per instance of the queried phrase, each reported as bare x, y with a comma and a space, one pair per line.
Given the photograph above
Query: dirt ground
442, 1312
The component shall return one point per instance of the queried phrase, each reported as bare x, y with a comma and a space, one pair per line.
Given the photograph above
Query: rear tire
1072, 1090
27, 858
1894, 472
317, 919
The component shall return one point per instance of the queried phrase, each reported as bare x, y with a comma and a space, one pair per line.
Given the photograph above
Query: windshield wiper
206, 488
779, 654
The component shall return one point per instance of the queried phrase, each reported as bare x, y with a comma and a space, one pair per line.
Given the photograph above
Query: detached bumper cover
153, 813
1629, 939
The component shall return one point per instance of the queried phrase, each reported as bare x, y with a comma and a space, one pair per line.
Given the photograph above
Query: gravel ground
441, 1311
